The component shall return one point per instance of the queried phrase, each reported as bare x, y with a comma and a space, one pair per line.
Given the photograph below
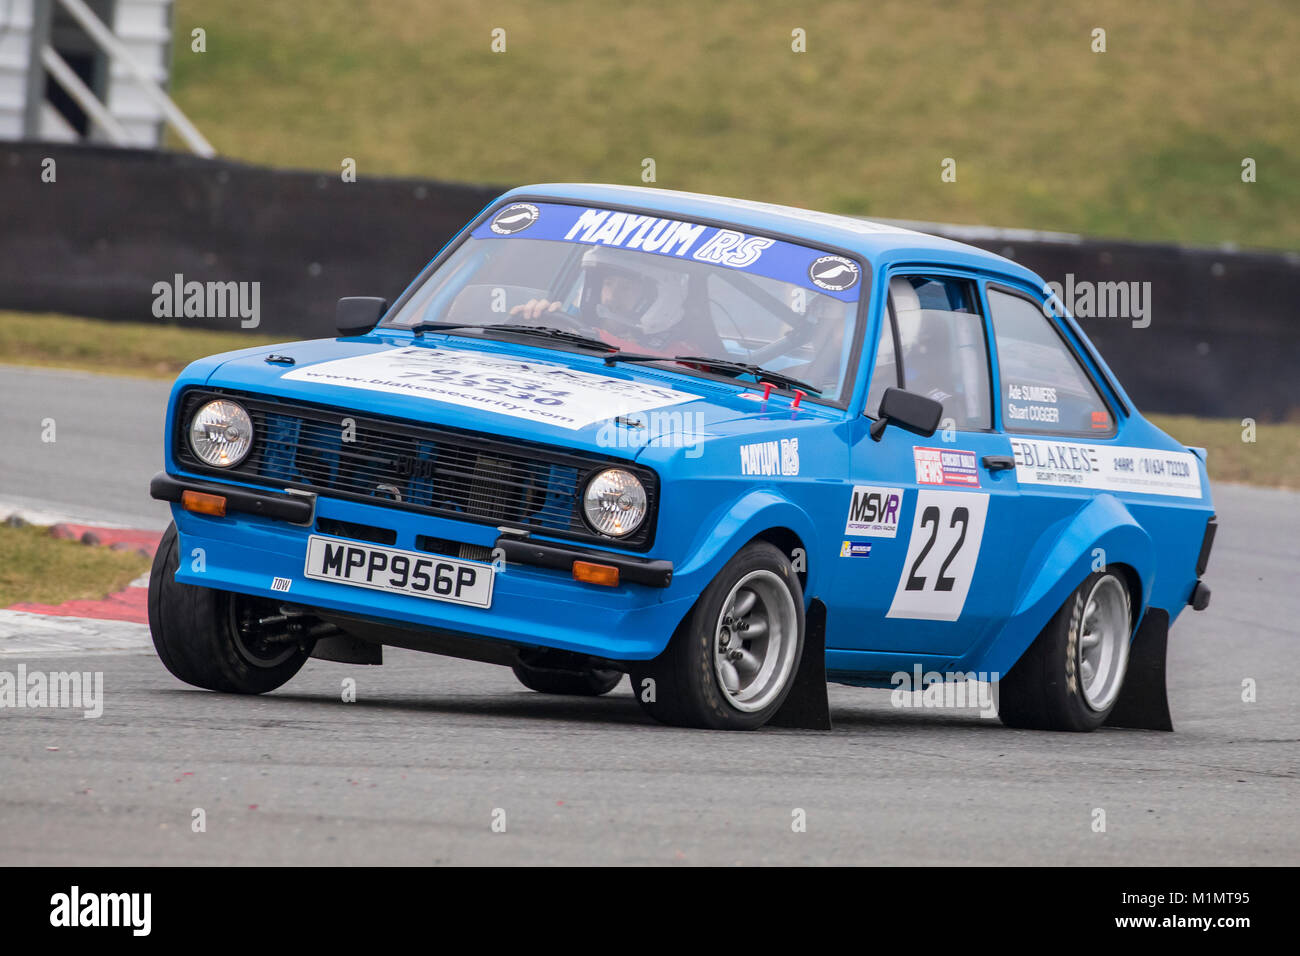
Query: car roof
880, 243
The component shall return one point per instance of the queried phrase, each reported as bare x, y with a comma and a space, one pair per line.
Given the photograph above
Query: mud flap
807, 706
1144, 700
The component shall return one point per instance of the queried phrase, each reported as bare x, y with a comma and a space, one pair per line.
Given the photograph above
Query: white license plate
400, 572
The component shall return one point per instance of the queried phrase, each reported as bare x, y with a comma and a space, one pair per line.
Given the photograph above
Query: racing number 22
932, 516
947, 529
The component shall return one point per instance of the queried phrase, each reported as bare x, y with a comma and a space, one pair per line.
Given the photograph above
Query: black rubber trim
631, 570
1207, 543
295, 508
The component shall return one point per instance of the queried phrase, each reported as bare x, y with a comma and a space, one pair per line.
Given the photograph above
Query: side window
941, 338
1043, 388
885, 373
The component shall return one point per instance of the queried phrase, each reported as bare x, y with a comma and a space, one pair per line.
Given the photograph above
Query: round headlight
221, 434
615, 502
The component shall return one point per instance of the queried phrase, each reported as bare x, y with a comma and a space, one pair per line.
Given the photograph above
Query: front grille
359, 532
433, 470
453, 549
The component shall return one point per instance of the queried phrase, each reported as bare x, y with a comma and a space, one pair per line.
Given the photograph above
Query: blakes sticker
1148, 471
542, 392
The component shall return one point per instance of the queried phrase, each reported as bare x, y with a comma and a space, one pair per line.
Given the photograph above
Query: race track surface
420, 766
107, 445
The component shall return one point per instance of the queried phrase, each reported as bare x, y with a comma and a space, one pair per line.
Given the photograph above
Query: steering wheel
571, 322
558, 318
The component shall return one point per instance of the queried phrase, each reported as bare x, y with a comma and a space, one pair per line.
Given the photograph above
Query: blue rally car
734, 450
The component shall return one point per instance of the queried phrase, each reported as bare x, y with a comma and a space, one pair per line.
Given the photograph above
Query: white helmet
660, 303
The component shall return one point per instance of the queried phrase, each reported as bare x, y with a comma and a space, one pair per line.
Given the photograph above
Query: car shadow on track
880, 719
617, 709
515, 704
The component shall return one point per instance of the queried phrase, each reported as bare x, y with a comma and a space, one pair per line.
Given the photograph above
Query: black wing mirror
908, 410
358, 314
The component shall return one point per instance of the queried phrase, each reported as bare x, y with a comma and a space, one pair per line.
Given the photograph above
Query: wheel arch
762, 513
791, 545
1101, 534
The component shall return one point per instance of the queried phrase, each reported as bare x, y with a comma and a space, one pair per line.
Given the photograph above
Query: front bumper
536, 602
291, 507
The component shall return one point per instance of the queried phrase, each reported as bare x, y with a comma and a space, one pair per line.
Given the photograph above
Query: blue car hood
504, 389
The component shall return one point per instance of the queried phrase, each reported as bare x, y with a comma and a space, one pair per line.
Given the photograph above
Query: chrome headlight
221, 434
615, 502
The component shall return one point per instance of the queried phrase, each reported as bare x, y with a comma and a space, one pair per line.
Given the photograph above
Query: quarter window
1043, 387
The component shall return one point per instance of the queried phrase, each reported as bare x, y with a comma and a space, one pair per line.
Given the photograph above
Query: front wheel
732, 662
219, 640
1071, 676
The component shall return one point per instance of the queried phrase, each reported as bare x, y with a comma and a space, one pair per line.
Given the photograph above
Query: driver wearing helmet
633, 303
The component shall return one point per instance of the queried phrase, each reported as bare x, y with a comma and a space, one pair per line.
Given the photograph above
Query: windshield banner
833, 275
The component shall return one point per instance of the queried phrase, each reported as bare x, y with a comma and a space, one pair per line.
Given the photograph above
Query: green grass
1143, 141
116, 348
39, 569
1272, 459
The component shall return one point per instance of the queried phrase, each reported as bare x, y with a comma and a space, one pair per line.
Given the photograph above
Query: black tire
197, 634
591, 682
686, 689
1044, 690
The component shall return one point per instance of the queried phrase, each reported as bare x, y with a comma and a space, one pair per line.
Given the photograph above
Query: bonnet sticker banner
538, 391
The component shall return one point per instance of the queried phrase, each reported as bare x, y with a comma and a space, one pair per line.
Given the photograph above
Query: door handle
998, 462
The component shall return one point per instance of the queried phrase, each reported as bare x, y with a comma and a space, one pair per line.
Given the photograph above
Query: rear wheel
589, 682
1071, 676
219, 640
732, 662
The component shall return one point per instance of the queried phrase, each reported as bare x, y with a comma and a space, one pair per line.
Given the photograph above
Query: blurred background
328, 148
1143, 141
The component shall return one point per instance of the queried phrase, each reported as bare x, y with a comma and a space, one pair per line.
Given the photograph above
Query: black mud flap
1144, 700
807, 707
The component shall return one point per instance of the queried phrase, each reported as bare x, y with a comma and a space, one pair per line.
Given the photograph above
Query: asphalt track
434, 751
107, 445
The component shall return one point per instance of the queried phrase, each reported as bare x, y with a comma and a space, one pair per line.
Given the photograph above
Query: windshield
652, 286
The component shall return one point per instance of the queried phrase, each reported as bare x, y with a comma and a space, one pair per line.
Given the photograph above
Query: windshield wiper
722, 365
618, 355
544, 331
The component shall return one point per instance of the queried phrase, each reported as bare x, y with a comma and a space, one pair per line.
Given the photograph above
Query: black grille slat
436, 470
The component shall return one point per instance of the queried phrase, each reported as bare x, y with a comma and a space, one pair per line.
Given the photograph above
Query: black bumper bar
652, 573
299, 509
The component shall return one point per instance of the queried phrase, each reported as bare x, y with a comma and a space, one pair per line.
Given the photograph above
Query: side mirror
908, 410
358, 314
